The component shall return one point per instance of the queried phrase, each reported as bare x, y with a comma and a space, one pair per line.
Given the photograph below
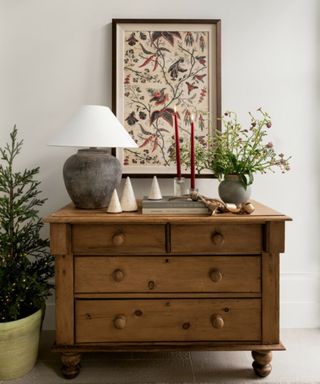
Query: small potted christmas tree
25, 264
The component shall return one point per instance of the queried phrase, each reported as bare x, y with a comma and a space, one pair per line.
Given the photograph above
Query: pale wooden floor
299, 364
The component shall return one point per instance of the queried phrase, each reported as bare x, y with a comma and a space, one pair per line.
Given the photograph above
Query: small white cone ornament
155, 193
128, 200
114, 205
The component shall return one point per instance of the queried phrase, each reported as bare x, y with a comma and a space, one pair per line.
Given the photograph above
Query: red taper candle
176, 127
192, 158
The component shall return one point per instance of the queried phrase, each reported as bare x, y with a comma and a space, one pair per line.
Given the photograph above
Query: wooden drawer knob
118, 239
217, 238
186, 325
215, 275
217, 321
120, 322
118, 275
151, 284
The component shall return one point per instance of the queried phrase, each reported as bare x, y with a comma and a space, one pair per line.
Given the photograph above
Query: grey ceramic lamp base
90, 176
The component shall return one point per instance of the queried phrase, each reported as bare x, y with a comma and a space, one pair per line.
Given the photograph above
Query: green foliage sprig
25, 262
238, 151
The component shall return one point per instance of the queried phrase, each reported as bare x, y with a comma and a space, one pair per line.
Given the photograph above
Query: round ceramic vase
90, 177
19, 342
232, 190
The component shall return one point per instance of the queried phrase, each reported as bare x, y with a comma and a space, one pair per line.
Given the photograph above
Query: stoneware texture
231, 190
90, 177
19, 341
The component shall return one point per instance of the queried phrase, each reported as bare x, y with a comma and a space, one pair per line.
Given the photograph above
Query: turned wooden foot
261, 364
70, 364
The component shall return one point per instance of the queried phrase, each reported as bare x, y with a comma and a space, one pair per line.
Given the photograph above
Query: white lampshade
94, 126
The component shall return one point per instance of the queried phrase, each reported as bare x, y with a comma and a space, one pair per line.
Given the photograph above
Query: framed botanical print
162, 67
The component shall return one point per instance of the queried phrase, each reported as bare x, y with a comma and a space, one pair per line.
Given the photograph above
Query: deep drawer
225, 238
118, 239
99, 321
94, 274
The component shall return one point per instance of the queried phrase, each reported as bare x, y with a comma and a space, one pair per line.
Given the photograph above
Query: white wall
56, 55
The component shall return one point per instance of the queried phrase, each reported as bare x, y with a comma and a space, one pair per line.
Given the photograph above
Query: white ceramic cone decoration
128, 200
155, 193
114, 205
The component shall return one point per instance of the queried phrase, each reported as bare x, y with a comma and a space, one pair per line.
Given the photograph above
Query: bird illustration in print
191, 87
159, 97
175, 68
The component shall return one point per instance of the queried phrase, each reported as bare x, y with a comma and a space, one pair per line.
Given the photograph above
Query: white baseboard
299, 303
299, 314
300, 299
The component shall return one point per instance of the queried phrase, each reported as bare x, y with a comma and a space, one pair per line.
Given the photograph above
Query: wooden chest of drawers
130, 282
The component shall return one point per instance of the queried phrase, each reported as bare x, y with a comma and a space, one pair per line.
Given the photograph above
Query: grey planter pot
231, 190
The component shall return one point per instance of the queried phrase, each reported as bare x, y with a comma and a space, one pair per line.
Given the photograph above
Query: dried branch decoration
218, 206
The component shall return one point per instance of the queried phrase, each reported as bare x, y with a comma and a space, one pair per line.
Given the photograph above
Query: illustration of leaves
144, 131
170, 110
155, 144
154, 116
190, 87
145, 51
201, 59
167, 115
155, 36
164, 49
177, 34
155, 64
147, 141
200, 77
146, 61
150, 59
168, 36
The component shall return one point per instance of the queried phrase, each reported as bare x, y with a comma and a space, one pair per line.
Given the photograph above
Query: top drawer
99, 239
224, 238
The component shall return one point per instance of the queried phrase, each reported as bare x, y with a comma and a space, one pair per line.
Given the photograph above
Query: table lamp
91, 174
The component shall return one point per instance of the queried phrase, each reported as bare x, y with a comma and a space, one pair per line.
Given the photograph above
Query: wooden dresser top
69, 214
